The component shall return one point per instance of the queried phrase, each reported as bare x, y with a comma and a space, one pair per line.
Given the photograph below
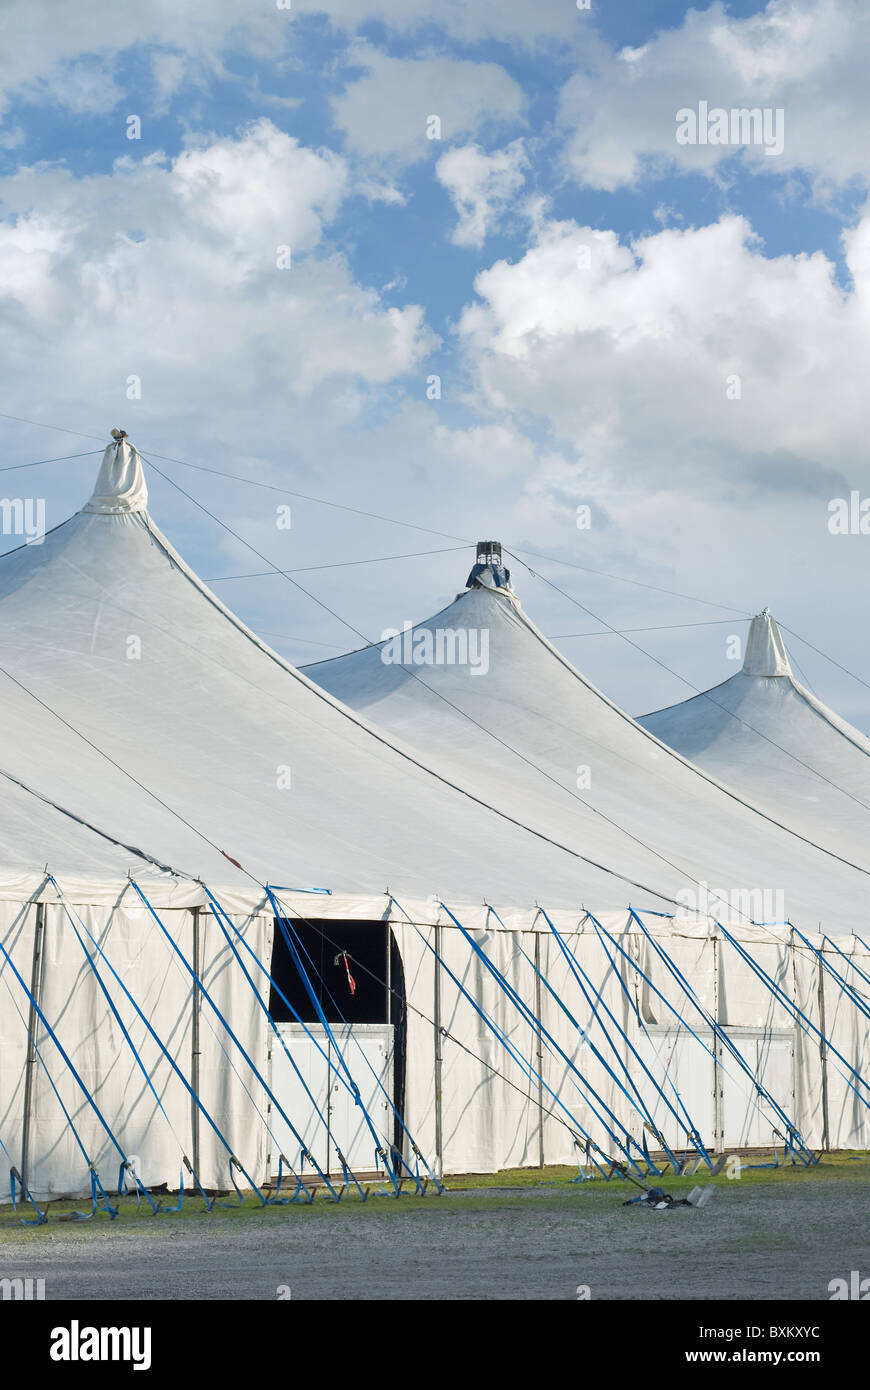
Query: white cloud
66, 57
481, 186
625, 357
170, 270
627, 351
807, 57
387, 112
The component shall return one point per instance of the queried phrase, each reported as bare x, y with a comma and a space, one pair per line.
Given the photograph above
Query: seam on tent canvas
62, 810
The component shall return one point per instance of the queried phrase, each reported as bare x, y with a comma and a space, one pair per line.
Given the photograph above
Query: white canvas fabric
87, 1030
765, 734
136, 701
532, 736
491, 1115
121, 485
149, 733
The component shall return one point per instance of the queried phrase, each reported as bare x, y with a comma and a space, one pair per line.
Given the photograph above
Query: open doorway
354, 969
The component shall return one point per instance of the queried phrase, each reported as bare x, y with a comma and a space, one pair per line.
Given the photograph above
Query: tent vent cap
488, 571
121, 483
765, 650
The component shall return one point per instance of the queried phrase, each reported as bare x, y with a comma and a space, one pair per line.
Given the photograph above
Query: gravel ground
749, 1242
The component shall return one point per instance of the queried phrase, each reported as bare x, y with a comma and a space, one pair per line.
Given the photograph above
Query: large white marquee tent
156, 752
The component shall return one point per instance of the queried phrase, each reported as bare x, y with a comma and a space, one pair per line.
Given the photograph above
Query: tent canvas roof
523, 734
764, 732
132, 698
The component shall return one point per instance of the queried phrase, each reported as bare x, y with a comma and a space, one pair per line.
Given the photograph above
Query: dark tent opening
332, 951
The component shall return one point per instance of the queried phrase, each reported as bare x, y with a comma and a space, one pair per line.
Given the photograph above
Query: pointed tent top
765, 649
120, 486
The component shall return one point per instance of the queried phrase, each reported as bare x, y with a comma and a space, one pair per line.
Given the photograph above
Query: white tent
531, 733
149, 733
763, 732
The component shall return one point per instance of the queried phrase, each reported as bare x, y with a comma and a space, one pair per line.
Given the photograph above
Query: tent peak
120, 485
488, 571
765, 650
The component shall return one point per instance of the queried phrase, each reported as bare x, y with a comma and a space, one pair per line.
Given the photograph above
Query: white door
332, 1121
750, 1119
683, 1070
368, 1052
290, 1091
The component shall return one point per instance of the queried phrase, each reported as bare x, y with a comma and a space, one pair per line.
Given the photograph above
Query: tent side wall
486, 1087
644, 1069
93, 1038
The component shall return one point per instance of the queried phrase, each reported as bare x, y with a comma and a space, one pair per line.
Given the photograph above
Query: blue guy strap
686, 1119
170, 1059
300, 1193
94, 1177
234, 1162
720, 1033
286, 928
640, 1105
573, 1125
126, 1166
218, 912
848, 989
806, 1023
15, 1176
273, 984
209, 1203
98, 1194
532, 1019
849, 960
667, 1003
398, 1158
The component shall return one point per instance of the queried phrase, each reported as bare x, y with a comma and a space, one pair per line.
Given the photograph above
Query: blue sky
155, 258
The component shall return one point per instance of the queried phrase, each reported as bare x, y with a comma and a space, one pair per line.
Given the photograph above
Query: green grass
852, 1163
506, 1188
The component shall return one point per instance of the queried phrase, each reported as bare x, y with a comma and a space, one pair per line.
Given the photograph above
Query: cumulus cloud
199, 274
481, 186
809, 59
688, 356
386, 113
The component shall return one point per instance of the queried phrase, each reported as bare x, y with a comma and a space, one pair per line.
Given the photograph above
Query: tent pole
823, 1058
196, 1005
718, 1123
540, 1056
439, 1140
32, 1025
